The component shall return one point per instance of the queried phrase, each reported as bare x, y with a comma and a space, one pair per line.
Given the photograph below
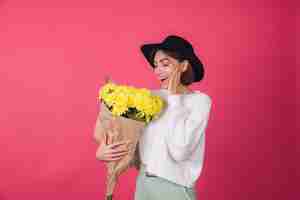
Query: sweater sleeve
186, 127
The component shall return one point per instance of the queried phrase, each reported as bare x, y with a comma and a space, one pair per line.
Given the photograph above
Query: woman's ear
184, 65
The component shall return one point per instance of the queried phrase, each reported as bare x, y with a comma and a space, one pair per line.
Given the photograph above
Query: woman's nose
159, 72
156, 70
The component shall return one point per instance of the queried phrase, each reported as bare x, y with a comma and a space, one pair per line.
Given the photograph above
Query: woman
171, 148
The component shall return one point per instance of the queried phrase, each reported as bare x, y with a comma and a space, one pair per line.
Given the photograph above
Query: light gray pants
157, 188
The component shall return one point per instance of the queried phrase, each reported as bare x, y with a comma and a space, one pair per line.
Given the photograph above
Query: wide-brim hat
179, 45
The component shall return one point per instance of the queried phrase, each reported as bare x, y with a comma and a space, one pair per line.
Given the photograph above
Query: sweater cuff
174, 100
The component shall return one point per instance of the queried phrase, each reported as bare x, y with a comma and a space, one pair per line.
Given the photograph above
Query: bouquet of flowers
132, 109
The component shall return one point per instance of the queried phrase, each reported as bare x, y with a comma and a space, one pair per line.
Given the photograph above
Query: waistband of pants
147, 174
144, 172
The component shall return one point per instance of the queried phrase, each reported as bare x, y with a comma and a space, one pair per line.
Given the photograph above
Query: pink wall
54, 55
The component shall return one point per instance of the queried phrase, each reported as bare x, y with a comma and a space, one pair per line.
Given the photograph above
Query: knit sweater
172, 146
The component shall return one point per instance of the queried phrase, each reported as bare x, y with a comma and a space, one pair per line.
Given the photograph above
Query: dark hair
187, 77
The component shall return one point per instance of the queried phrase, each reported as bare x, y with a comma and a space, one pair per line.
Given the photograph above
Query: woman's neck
180, 88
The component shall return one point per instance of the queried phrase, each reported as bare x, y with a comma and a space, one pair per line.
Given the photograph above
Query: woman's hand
109, 150
174, 80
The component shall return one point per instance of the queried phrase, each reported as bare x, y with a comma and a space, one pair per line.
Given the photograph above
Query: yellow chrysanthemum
121, 98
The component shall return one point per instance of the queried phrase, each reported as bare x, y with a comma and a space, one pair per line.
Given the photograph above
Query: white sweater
172, 146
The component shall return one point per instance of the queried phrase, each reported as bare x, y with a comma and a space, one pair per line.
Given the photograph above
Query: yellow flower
122, 99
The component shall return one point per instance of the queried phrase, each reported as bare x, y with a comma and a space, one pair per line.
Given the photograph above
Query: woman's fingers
174, 80
115, 155
116, 144
120, 148
116, 152
114, 159
171, 83
177, 76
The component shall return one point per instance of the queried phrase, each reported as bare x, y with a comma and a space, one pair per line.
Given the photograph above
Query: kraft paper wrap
129, 129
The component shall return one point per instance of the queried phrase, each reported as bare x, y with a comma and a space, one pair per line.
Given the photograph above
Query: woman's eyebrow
162, 60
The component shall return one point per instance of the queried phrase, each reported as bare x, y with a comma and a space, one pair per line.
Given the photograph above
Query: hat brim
197, 65
147, 50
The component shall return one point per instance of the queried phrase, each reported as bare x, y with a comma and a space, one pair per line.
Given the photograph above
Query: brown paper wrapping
129, 129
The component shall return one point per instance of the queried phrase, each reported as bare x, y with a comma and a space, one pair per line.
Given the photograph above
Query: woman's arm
186, 127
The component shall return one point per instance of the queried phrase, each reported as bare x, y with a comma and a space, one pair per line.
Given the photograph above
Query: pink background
54, 55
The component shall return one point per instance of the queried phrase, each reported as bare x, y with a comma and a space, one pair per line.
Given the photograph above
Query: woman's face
164, 65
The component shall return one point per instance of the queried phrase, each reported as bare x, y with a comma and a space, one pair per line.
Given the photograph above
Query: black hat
179, 45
